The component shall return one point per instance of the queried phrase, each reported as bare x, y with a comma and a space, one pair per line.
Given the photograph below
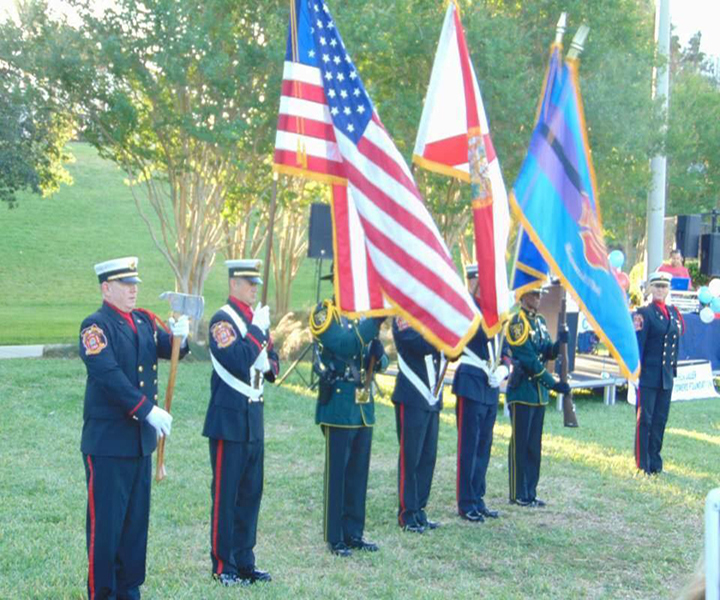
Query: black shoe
340, 549
253, 575
487, 513
537, 503
432, 524
414, 528
361, 544
229, 579
521, 502
473, 516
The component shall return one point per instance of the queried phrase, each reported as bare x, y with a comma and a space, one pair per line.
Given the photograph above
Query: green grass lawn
606, 533
49, 246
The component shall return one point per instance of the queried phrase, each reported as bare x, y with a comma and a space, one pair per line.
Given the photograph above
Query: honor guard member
346, 351
417, 418
120, 346
477, 387
658, 327
527, 395
243, 358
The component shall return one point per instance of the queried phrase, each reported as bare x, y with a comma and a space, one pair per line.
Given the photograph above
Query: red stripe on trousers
459, 448
216, 508
91, 551
637, 429
402, 463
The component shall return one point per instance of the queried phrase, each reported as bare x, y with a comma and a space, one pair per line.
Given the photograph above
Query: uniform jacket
122, 381
658, 340
471, 381
343, 346
231, 415
416, 354
530, 348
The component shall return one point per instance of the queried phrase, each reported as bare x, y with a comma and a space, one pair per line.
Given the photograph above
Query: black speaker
710, 254
320, 241
687, 235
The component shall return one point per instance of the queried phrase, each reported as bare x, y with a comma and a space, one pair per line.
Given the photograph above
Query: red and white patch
638, 321
223, 334
93, 340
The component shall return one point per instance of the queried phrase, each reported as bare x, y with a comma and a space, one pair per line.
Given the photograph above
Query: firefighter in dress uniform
527, 395
477, 387
120, 346
345, 351
242, 356
658, 327
417, 419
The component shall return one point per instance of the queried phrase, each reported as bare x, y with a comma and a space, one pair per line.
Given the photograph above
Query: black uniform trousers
651, 411
347, 464
118, 513
475, 423
417, 432
237, 485
525, 450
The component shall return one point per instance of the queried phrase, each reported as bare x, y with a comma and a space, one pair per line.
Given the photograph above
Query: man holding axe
184, 307
243, 358
120, 346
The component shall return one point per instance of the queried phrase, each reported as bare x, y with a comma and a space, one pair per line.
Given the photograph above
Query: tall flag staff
453, 139
389, 255
555, 199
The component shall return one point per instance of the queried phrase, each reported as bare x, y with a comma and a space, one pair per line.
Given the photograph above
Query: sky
690, 16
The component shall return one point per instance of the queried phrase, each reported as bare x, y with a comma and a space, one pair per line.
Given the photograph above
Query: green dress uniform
346, 415
527, 396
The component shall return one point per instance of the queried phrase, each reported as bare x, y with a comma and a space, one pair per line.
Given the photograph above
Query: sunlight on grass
695, 435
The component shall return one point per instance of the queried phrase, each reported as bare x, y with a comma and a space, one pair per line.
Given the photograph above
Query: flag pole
269, 243
559, 33
568, 406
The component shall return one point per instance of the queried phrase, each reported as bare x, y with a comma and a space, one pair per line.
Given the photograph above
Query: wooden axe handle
174, 359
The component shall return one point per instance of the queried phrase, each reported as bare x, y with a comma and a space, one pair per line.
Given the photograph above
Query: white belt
253, 395
470, 358
417, 382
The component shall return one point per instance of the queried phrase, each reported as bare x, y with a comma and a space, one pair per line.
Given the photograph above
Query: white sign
694, 381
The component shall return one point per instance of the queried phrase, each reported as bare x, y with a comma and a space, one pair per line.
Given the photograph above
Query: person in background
676, 268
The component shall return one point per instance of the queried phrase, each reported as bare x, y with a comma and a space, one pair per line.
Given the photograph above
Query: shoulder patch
518, 330
223, 333
638, 321
402, 324
93, 340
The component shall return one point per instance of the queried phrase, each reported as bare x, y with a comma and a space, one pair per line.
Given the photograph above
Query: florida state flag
454, 139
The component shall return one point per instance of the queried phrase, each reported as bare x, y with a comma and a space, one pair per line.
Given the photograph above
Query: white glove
161, 420
180, 328
261, 317
262, 362
496, 378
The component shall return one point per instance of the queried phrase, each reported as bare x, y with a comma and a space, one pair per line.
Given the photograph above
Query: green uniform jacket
531, 348
343, 348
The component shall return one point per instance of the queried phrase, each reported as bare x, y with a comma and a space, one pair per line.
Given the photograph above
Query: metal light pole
658, 165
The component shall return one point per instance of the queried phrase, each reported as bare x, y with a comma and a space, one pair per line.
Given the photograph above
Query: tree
33, 135
693, 140
175, 93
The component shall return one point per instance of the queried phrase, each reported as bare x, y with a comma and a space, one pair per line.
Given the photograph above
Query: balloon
714, 286
623, 280
616, 259
705, 295
715, 304
707, 315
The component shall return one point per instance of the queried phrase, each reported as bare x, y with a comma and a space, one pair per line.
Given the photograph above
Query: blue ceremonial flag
531, 270
555, 200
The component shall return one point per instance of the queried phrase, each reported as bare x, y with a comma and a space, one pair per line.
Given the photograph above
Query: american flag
329, 130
